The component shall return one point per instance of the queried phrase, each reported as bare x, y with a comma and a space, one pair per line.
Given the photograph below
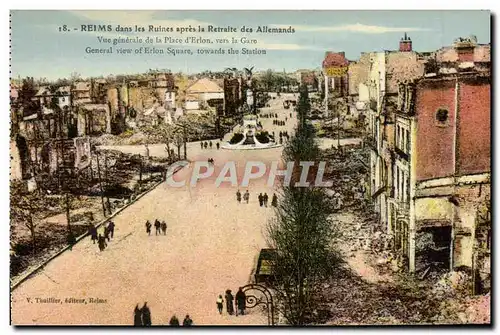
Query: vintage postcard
193, 168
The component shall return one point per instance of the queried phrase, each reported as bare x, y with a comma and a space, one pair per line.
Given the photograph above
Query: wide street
212, 244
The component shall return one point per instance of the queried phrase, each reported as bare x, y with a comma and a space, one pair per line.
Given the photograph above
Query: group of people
246, 196
240, 300
109, 231
142, 317
205, 145
269, 115
279, 122
174, 321
263, 198
211, 161
160, 227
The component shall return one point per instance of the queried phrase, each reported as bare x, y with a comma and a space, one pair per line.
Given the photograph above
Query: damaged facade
428, 127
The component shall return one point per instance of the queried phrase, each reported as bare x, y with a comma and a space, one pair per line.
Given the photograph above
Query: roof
82, 86
482, 53
65, 90
191, 97
204, 85
44, 90
335, 59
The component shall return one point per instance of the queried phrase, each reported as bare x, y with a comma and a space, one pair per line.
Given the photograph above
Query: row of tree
302, 232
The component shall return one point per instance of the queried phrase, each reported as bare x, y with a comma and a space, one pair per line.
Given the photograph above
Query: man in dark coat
146, 315
261, 199
241, 302
157, 227
265, 198
174, 321
106, 233
164, 227
229, 302
137, 316
187, 321
218, 146
93, 233
148, 227
274, 202
238, 196
111, 228
101, 241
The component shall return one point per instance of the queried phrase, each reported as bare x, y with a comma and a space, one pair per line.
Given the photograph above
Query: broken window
442, 117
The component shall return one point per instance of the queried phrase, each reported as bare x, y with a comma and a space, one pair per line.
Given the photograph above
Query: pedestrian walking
146, 152
148, 227
71, 240
210, 143
265, 198
93, 233
274, 202
240, 302
219, 303
205, 145
146, 315
101, 241
106, 233
157, 227
246, 196
238, 196
218, 145
187, 321
111, 228
164, 227
137, 316
229, 302
261, 200
174, 321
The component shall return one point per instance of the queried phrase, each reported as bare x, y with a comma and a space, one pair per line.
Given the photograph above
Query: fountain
247, 135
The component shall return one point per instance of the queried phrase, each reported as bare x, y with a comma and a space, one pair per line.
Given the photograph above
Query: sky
40, 50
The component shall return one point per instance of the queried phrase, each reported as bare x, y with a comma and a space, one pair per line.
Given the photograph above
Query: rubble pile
348, 173
127, 138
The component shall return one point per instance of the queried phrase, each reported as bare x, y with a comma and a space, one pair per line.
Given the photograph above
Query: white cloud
353, 28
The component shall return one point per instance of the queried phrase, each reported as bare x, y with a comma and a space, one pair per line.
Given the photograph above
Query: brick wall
474, 144
434, 143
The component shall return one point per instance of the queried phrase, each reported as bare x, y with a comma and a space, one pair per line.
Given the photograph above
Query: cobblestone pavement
212, 244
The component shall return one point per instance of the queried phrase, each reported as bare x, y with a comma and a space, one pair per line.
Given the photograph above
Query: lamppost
259, 295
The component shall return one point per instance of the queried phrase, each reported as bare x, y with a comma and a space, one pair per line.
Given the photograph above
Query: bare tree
26, 208
301, 233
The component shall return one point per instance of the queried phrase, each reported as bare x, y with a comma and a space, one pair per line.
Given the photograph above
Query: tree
301, 233
162, 133
26, 208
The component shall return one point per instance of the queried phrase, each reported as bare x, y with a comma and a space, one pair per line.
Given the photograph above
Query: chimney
405, 44
465, 50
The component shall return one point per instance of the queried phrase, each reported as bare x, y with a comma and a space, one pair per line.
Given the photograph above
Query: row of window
401, 189
403, 139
